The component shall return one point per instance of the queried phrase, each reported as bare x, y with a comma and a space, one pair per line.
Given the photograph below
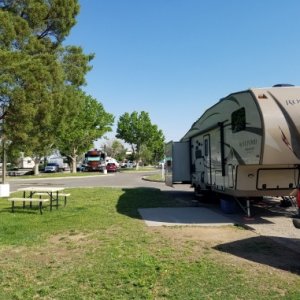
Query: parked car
111, 167
123, 164
66, 167
130, 165
52, 167
81, 168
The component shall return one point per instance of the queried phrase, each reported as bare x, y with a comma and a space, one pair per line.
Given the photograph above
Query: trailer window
238, 120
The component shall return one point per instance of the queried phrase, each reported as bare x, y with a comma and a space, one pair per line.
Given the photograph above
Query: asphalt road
119, 179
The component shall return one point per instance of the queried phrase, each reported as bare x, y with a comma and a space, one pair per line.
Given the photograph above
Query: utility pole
3, 146
4, 187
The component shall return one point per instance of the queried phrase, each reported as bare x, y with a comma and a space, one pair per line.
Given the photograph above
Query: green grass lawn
155, 177
140, 169
97, 247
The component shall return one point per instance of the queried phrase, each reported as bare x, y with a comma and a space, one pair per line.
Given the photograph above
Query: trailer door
177, 162
207, 159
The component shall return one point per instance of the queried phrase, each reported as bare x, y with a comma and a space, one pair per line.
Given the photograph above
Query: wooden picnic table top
47, 189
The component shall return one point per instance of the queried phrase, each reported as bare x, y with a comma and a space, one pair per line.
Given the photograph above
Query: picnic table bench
64, 195
30, 200
14, 173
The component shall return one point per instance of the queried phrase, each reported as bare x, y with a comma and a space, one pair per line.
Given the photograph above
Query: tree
146, 155
115, 149
137, 130
49, 21
157, 145
37, 70
118, 150
86, 121
32, 89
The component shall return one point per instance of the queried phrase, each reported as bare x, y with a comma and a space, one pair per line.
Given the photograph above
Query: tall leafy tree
115, 149
31, 31
137, 130
36, 70
156, 145
50, 21
86, 122
118, 150
31, 120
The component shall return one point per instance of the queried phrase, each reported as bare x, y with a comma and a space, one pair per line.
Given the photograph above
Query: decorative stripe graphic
295, 136
231, 98
234, 153
213, 114
254, 130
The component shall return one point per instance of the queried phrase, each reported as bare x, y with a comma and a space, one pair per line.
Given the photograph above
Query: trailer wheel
296, 222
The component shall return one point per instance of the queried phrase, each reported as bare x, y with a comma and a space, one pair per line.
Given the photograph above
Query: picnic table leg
24, 194
57, 200
12, 206
51, 201
41, 207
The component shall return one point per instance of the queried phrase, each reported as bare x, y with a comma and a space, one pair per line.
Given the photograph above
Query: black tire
296, 222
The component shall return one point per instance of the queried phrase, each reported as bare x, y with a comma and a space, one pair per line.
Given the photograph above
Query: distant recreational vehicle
246, 145
94, 160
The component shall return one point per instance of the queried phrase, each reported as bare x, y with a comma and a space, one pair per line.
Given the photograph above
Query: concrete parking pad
183, 216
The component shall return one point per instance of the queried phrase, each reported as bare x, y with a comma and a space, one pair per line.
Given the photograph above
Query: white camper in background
26, 163
247, 145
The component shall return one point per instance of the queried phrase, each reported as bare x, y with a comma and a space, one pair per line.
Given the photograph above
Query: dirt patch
72, 236
204, 237
59, 249
233, 245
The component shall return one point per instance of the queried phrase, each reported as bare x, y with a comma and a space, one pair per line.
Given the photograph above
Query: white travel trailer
26, 162
246, 145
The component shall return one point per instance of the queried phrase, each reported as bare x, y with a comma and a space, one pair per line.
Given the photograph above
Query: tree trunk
136, 156
74, 165
74, 161
36, 166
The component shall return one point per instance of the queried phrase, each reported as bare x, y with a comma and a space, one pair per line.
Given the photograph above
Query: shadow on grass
21, 210
273, 252
133, 199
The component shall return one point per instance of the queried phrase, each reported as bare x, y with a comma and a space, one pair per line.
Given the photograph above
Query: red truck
94, 160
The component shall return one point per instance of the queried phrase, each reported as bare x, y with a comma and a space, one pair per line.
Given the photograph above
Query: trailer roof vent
282, 85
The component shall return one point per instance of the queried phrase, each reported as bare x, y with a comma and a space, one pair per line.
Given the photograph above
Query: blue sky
176, 58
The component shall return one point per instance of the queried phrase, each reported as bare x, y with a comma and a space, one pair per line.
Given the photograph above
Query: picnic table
29, 192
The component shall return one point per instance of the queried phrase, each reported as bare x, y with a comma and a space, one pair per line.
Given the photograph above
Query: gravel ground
273, 220
269, 217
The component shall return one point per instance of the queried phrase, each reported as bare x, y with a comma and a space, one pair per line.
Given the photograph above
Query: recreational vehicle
246, 145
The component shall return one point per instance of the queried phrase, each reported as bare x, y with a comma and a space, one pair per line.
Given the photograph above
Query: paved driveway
126, 179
